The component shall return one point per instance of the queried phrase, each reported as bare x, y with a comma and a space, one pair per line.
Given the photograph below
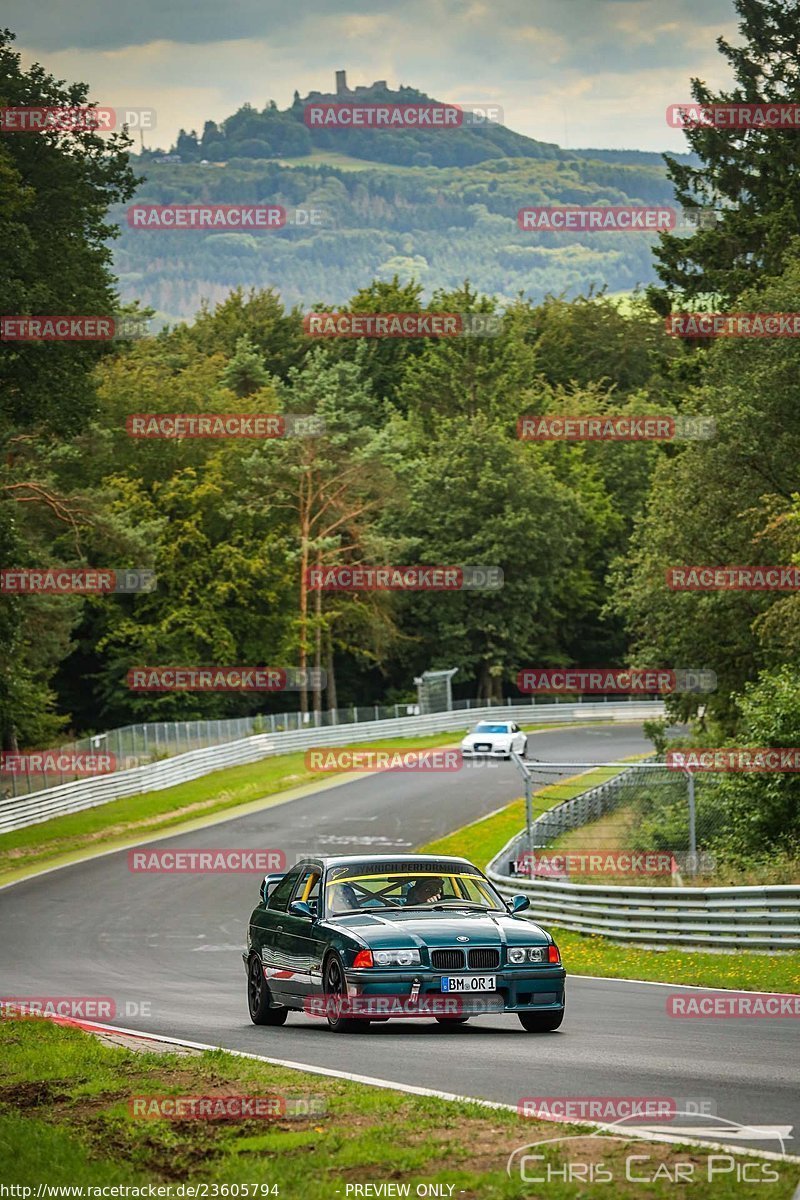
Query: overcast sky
577, 72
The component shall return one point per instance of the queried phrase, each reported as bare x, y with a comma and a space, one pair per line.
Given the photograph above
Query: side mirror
518, 903
299, 908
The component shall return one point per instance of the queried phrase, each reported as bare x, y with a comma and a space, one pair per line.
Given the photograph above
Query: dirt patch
34, 1094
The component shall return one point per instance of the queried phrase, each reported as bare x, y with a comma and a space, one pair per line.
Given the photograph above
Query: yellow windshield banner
401, 875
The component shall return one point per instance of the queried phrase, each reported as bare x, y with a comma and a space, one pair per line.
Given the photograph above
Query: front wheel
544, 1022
262, 1012
334, 987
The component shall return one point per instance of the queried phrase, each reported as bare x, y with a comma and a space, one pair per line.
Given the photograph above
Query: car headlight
396, 958
521, 954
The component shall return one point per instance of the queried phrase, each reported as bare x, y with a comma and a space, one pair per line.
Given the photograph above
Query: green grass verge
65, 1120
592, 954
121, 822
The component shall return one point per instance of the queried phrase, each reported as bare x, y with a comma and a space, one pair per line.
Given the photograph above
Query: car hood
488, 737
439, 928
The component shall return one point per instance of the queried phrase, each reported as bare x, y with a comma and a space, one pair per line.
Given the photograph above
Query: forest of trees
419, 462
437, 227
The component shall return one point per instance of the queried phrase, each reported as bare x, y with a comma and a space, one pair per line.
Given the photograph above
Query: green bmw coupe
356, 939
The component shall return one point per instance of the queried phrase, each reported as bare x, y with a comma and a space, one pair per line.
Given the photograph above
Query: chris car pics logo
567, 1160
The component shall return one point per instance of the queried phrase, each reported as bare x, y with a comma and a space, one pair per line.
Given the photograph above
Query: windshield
351, 889
484, 727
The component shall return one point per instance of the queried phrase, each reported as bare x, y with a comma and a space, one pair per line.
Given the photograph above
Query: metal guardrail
137, 745
720, 918
21, 811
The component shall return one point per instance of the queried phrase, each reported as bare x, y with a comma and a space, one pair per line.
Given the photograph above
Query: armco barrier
720, 918
18, 812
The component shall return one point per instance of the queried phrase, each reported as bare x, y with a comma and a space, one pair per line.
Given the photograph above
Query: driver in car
425, 891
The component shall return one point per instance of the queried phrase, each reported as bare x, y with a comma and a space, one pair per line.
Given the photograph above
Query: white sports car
495, 739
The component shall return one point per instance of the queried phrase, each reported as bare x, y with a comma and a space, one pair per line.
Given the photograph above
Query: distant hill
275, 133
438, 207
632, 157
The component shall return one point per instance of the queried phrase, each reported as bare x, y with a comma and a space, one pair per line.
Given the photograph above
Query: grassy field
590, 954
66, 1119
134, 818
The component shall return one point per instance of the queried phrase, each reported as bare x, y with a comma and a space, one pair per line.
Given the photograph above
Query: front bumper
521, 990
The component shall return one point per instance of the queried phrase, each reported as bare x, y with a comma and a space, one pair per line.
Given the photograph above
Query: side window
308, 887
279, 900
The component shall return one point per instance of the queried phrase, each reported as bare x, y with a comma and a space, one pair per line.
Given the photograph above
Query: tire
452, 1020
333, 984
262, 1012
544, 1022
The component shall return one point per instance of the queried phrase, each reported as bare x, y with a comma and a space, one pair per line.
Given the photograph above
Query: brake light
363, 959
552, 953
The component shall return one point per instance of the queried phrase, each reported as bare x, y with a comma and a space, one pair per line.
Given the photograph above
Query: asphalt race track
174, 943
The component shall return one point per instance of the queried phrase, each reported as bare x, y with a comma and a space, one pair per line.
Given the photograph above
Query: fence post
692, 827
529, 818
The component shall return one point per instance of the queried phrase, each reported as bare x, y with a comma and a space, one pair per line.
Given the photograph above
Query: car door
266, 930
300, 941
520, 742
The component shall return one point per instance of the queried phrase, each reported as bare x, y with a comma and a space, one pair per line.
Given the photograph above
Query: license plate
469, 983
483, 746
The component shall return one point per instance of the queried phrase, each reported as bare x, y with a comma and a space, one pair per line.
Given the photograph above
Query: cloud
608, 68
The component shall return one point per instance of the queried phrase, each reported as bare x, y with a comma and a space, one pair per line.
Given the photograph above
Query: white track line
695, 987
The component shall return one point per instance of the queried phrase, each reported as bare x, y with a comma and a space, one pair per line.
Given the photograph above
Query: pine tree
751, 175
245, 373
